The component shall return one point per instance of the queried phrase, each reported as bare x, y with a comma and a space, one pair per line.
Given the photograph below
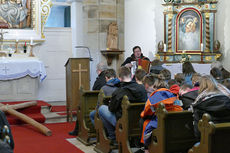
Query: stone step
54, 117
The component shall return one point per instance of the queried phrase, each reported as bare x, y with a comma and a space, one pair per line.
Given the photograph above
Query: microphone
90, 58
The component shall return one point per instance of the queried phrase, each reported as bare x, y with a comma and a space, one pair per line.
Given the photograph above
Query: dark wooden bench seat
215, 138
128, 125
88, 102
103, 144
174, 132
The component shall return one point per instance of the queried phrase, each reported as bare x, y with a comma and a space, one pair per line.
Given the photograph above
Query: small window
59, 15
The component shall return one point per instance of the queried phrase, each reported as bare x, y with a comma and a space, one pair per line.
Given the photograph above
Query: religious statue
15, 13
112, 37
161, 46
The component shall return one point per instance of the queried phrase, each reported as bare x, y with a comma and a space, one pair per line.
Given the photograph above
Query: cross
5, 69
79, 71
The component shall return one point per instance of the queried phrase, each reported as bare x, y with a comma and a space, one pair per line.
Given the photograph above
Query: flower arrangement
185, 57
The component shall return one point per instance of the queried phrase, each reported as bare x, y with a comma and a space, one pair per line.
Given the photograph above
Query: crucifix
79, 71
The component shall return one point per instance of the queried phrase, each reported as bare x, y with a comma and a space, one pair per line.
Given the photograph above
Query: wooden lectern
77, 75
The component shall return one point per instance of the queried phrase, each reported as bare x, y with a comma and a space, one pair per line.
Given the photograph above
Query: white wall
223, 30
54, 52
143, 26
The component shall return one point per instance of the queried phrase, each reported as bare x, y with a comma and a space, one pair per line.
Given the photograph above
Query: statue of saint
112, 37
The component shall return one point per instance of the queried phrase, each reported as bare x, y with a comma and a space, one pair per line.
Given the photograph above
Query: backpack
5, 131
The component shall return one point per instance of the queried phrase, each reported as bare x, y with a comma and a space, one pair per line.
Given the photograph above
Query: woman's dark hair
110, 73
166, 73
136, 48
187, 68
225, 73
216, 73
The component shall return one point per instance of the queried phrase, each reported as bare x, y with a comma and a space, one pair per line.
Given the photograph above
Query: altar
20, 77
174, 68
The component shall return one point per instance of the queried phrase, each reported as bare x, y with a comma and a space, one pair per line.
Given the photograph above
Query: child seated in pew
112, 83
139, 75
187, 96
161, 94
175, 88
135, 92
195, 81
148, 82
166, 74
212, 101
179, 77
188, 72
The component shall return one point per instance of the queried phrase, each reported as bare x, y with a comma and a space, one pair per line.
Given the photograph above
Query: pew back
221, 138
174, 132
103, 144
88, 103
215, 138
128, 125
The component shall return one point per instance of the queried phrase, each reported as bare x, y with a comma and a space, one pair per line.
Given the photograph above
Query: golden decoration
170, 8
207, 15
217, 56
208, 58
157, 56
206, 6
167, 58
45, 12
213, 6
170, 16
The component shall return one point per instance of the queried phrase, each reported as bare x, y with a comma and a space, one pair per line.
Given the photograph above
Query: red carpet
58, 108
33, 112
28, 140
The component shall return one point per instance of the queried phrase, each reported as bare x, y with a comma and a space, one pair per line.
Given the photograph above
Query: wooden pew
103, 144
87, 103
215, 138
128, 125
174, 132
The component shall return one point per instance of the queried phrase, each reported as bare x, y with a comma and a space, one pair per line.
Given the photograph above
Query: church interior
114, 76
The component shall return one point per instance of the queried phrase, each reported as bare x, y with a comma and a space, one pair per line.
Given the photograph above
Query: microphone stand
90, 58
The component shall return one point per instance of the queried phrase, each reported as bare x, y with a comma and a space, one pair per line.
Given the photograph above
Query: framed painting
189, 31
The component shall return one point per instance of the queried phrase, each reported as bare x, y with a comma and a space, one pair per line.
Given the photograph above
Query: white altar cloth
203, 69
11, 68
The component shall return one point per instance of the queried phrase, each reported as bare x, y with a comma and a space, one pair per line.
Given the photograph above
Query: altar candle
31, 41
164, 47
201, 47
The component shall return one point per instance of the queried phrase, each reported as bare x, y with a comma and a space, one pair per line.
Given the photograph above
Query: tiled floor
78, 144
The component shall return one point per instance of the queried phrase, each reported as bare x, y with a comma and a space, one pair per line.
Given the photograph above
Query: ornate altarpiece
189, 29
24, 19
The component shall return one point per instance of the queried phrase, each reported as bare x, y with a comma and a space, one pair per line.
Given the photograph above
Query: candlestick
201, 47
31, 51
31, 41
164, 47
16, 46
